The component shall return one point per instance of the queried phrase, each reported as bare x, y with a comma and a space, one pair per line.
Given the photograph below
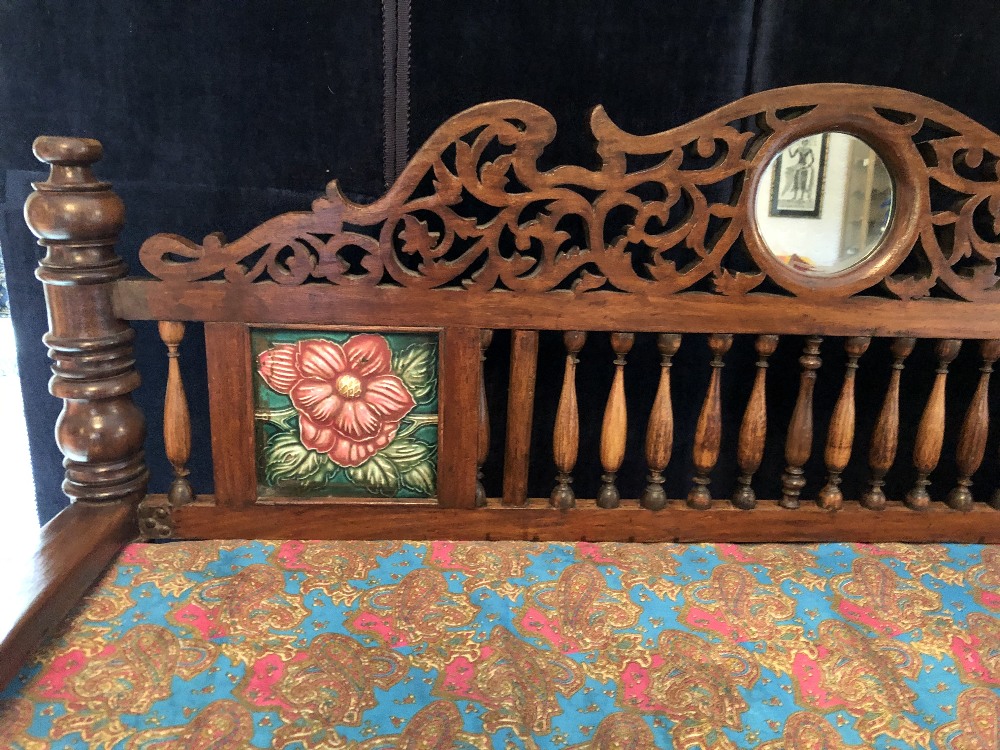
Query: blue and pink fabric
379, 645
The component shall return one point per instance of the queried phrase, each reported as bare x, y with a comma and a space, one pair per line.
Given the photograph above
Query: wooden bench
473, 239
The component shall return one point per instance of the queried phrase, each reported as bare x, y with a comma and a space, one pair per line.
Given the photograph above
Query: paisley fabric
392, 645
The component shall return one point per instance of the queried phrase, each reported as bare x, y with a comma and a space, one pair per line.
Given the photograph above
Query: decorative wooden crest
665, 213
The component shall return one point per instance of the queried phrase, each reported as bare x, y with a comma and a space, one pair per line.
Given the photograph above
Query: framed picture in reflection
797, 178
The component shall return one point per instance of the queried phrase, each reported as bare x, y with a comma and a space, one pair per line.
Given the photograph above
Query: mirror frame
910, 203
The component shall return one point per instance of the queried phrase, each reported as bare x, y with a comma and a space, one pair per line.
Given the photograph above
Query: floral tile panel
342, 414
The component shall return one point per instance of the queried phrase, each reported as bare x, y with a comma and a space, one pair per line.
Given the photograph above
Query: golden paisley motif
517, 684
744, 608
977, 723
128, 677
417, 610
808, 731
489, 565
985, 579
167, 566
783, 562
330, 682
104, 607
977, 650
330, 567
621, 731
873, 595
646, 565
864, 675
222, 725
437, 726
932, 560
578, 612
694, 683
251, 603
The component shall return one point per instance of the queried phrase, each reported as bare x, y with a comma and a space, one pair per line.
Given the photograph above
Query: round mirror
824, 203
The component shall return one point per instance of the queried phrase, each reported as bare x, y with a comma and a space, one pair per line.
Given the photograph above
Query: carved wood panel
665, 213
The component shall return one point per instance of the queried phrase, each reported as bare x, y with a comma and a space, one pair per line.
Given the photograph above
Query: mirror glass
824, 203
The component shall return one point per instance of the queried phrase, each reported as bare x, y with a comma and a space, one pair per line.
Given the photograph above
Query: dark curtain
216, 116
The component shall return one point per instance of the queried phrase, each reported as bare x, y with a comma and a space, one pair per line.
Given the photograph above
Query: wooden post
798, 444
708, 433
615, 425
485, 338
885, 437
660, 432
840, 436
930, 432
100, 431
753, 430
975, 427
566, 435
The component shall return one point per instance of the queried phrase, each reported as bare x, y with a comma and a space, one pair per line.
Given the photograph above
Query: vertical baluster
176, 419
753, 430
615, 425
566, 436
798, 444
485, 338
840, 436
885, 438
930, 432
975, 427
660, 432
708, 433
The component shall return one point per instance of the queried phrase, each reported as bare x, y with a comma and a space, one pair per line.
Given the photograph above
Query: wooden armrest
73, 549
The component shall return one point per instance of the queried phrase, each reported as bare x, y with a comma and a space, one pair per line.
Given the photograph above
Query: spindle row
840, 436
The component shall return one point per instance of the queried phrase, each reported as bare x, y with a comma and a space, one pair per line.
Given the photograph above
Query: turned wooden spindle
930, 432
176, 419
566, 435
975, 427
708, 433
615, 425
660, 432
840, 436
483, 450
885, 437
798, 444
753, 430
100, 431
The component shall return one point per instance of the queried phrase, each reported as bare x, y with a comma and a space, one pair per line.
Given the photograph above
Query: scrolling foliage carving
665, 213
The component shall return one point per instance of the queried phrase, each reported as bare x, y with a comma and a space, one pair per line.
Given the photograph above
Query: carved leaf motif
286, 460
732, 284
416, 366
417, 238
408, 454
378, 475
421, 478
910, 287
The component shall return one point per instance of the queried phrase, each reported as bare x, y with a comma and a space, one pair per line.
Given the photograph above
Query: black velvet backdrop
217, 116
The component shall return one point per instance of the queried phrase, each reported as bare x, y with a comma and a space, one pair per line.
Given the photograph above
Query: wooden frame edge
73, 550
587, 522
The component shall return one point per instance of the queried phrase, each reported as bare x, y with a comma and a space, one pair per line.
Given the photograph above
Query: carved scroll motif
665, 213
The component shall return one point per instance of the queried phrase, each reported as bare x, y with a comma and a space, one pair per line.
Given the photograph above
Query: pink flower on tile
349, 402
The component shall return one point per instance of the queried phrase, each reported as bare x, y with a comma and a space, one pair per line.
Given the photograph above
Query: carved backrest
345, 344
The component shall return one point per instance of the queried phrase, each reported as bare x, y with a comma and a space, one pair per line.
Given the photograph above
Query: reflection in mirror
824, 203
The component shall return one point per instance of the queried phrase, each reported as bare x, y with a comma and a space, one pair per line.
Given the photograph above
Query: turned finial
72, 204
